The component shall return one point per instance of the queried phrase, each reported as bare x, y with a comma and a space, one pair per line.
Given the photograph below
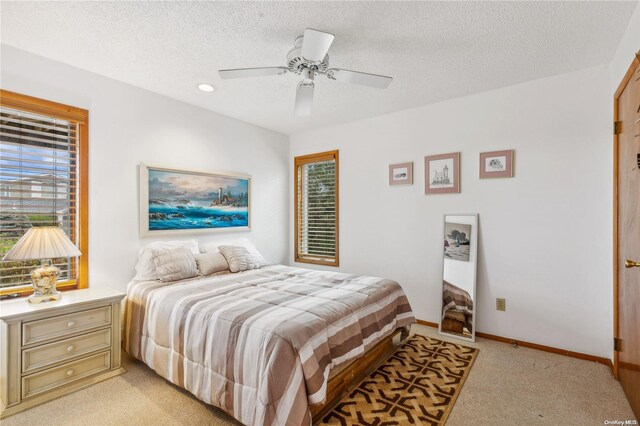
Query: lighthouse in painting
441, 178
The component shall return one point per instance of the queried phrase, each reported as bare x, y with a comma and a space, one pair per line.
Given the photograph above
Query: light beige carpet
506, 386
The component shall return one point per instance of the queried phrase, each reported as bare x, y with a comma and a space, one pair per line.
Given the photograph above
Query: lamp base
37, 298
44, 280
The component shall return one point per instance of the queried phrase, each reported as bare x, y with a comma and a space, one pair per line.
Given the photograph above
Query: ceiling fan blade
356, 77
304, 99
316, 44
252, 72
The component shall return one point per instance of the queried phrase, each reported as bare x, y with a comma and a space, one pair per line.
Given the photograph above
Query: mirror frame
474, 237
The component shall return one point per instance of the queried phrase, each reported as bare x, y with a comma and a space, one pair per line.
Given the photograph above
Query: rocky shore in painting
182, 214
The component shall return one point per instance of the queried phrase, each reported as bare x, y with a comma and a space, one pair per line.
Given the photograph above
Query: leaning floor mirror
458, 316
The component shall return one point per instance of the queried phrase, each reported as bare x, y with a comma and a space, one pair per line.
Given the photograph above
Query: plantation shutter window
40, 181
316, 207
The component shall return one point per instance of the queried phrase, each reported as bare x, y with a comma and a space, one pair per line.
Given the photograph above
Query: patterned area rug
418, 385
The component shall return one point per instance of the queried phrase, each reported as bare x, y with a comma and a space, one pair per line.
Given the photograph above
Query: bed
457, 308
265, 345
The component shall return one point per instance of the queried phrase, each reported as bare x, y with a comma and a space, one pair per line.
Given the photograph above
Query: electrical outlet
501, 304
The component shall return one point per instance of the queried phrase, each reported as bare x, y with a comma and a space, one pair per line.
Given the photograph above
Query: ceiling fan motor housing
299, 65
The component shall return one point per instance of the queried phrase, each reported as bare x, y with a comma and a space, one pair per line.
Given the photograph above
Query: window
43, 181
316, 208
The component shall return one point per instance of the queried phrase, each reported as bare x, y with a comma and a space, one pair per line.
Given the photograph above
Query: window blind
38, 181
317, 210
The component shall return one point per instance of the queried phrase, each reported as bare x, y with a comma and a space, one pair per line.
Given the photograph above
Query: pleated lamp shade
43, 242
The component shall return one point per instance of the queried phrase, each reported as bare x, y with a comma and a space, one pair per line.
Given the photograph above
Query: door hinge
616, 344
617, 127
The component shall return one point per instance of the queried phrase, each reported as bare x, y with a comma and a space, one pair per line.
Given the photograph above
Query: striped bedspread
456, 299
260, 344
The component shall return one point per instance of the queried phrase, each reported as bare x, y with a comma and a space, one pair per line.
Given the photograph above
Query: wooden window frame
300, 161
81, 117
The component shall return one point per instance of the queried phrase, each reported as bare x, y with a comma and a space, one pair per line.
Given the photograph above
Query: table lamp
44, 243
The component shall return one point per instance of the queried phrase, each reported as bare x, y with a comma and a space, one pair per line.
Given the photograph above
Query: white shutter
317, 209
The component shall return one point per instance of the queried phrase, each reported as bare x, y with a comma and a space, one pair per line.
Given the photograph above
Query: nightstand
51, 349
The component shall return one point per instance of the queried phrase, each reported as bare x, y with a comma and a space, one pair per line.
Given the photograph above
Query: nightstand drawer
66, 373
64, 325
62, 350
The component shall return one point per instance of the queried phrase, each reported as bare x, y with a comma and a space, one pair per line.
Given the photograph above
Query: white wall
127, 126
544, 235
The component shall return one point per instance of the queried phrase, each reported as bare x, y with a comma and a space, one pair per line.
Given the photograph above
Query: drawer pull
71, 324
70, 348
70, 372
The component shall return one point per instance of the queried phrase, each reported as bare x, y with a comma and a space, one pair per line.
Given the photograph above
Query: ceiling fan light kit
308, 59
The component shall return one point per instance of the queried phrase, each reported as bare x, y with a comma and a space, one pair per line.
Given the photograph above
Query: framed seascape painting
442, 173
173, 201
496, 164
401, 174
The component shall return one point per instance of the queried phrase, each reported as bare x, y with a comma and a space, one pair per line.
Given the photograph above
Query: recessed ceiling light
206, 87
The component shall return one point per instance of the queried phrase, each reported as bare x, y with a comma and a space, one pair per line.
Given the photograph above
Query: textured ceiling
434, 50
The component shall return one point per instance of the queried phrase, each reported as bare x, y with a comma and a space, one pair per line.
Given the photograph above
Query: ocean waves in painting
194, 217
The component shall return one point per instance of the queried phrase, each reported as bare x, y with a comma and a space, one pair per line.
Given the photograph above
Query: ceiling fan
309, 58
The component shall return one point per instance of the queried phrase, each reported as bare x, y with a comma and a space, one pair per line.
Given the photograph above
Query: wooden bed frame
351, 376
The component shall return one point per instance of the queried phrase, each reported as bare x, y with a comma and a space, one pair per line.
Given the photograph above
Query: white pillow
146, 269
257, 258
239, 258
211, 263
174, 265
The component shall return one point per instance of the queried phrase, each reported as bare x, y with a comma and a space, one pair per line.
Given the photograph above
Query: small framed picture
401, 174
496, 164
442, 173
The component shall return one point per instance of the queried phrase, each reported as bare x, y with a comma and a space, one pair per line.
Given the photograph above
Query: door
627, 235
